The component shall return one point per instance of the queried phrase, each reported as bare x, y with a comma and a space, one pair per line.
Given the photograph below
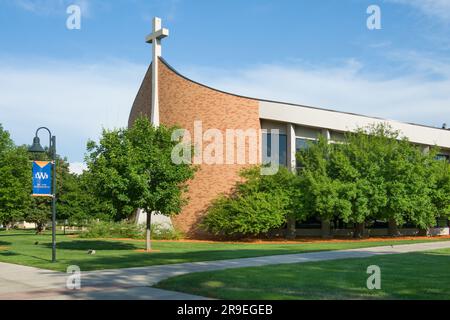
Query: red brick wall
143, 102
181, 103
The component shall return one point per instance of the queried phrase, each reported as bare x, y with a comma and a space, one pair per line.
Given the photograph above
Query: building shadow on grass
133, 259
3, 235
92, 245
8, 253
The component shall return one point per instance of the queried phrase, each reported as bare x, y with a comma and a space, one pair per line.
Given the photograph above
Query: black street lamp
37, 148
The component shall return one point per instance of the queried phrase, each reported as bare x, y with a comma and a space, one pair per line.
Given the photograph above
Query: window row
300, 144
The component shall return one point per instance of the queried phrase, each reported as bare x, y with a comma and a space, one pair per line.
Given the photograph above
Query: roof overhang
344, 122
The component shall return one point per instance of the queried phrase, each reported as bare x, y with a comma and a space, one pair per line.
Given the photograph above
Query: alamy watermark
73, 281
374, 280
73, 21
374, 20
230, 146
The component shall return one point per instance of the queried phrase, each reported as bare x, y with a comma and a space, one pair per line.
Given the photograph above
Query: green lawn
19, 247
422, 275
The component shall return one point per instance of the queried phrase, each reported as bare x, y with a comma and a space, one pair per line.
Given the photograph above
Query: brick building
169, 98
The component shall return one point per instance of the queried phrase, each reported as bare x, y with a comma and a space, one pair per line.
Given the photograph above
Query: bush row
128, 230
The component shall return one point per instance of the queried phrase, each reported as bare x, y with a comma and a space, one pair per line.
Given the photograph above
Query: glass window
301, 144
267, 149
442, 157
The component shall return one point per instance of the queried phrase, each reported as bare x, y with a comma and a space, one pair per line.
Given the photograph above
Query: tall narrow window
301, 144
267, 149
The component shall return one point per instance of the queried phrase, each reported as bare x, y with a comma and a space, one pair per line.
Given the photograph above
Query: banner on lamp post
42, 179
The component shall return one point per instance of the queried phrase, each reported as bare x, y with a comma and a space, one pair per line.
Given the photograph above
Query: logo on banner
42, 179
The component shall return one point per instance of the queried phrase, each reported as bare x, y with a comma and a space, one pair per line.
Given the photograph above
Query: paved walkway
19, 282
29, 283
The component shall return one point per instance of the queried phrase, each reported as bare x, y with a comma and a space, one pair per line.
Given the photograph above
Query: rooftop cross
155, 39
158, 34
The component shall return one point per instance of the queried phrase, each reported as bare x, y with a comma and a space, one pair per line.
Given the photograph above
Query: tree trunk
326, 228
149, 231
40, 227
291, 231
136, 216
393, 228
359, 230
424, 232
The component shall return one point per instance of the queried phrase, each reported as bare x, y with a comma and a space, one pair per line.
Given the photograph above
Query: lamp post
37, 148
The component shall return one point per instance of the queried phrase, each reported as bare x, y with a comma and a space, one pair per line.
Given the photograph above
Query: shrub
259, 205
252, 214
125, 229
159, 232
107, 229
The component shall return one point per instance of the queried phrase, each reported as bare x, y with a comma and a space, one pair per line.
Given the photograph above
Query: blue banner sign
42, 179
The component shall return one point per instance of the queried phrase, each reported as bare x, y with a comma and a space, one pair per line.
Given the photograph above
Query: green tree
323, 194
39, 210
374, 174
441, 189
15, 180
366, 152
77, 205
400, 176
132, 168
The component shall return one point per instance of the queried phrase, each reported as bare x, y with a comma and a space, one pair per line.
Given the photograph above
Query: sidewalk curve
20, 282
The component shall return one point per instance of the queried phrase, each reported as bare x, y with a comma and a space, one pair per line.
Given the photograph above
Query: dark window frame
266, 148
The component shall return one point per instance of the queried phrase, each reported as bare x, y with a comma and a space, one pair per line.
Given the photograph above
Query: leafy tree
15, 180
441, 188
132, 168
39, 213
40, 210
75, 201
110, 172
375, 174
77, 204
400, 176
323, 194
70, 205
366, 152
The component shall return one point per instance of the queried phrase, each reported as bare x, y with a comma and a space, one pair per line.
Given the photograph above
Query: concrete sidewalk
27, 283
18, 282
154, 274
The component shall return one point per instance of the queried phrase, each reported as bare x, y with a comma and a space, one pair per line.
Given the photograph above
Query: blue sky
310, 52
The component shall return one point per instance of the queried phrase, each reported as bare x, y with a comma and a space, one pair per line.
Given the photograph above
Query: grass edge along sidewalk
27, 249
415, 275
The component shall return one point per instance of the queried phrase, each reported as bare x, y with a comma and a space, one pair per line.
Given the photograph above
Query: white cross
158, 34
155, 39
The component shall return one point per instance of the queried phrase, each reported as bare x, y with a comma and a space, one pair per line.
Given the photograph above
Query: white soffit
341, 121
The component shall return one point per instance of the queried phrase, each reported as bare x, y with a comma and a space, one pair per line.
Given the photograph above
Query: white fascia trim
339, 121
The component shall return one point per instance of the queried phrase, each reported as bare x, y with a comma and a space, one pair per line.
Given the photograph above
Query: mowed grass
26, 248
422, 275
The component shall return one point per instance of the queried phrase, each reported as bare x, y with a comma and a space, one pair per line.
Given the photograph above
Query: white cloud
74, 100
77, 167
414, 97
432, 8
